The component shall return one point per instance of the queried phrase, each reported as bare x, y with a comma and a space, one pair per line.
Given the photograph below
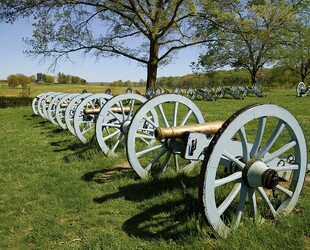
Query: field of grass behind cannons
57, 193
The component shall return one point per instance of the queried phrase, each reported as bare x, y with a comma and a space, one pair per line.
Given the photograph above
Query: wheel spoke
156, 158
241, 204
285, 190
163, 115
267, 200
231, 178
286, 168
229, 199
141, 129
122, 108
175, 112
143, 152
115, 116
85, 129
150, 121
189, 112
165, 162
253, 204
244, 142
132, 103
276, 133
117, 142
259, 136
110, 125
239, 163
145, 136
111, 135
280, 151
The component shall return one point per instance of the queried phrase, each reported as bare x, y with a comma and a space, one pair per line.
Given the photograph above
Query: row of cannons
236, 91
251, 165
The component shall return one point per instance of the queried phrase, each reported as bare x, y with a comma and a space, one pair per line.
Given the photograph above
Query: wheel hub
257, 174
125, 126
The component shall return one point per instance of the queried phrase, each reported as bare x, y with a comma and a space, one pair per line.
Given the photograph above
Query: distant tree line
120, 83
61, 79
268, 77
21, 80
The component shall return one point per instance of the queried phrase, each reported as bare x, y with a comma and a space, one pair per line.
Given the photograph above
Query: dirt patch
124, 164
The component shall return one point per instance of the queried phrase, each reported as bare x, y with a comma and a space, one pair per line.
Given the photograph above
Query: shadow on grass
143, 190
165, 217
106, 175
168, 221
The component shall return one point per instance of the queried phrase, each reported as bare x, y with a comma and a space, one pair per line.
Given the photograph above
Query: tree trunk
151, 74
303, 77
253, 79
152, 64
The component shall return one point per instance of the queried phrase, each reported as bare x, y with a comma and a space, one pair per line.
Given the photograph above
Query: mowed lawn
57, 193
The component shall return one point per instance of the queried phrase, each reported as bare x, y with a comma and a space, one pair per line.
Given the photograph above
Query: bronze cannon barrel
179, 131
119, 110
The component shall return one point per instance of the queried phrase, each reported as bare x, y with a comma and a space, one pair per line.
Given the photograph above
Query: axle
179, 131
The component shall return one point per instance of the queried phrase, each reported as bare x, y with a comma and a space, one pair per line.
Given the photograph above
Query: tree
248, 33
40, 78
49, 79
148, 32
64, 79
295, 53
18, 80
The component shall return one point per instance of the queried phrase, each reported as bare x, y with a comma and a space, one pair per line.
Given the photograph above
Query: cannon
235, 91
253, 164
51, 108
40, 103
302, 90
177, 90
205, 92
61, 107
114, 119
255, 89
84, 124
153, 91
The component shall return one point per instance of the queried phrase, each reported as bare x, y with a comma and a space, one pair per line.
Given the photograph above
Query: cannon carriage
253, 164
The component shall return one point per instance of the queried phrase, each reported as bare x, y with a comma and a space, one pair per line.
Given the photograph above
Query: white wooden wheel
61, 109
42, 103
84, 124
51, 110
114, 120
253, 167
70, 110
145, 154
34, 104
47, 102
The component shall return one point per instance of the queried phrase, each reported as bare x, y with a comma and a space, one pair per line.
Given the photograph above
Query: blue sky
13, 61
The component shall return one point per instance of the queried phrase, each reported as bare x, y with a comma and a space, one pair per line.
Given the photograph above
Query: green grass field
56, 193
